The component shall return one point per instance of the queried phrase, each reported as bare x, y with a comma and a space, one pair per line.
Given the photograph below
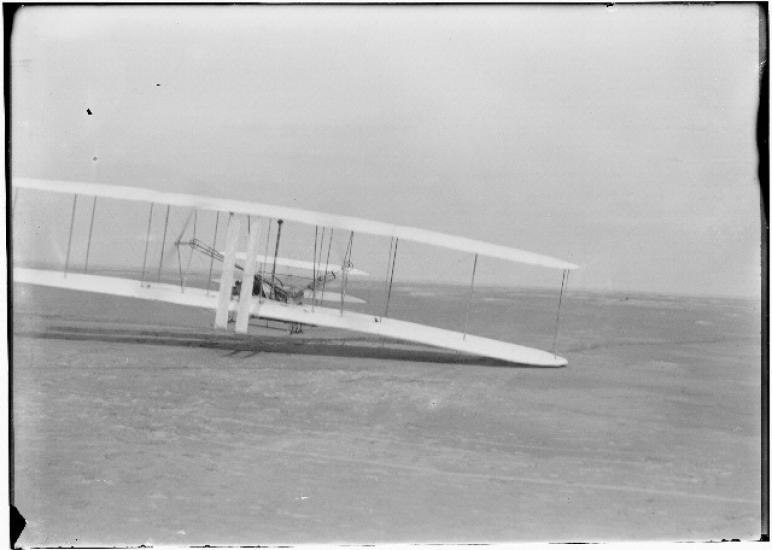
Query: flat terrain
130, 432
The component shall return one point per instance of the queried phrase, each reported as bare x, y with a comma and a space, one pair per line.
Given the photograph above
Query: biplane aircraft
249, 286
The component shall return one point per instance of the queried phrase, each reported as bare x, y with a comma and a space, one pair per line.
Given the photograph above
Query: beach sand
129, 431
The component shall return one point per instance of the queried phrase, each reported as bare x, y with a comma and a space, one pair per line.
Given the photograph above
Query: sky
620, 138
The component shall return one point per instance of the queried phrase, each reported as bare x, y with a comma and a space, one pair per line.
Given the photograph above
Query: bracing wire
391, 277
105, 210
313, 288
90, 232
319, 260
261, 271
211, 259
190, 256
69, 240
563, 285
344, 268
471, 294
386, 278
179, 264
185, 226
177, 246
327, 262
276, 253
147, 242
163, 242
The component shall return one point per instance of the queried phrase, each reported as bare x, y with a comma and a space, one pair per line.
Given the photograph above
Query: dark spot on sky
157, 84
95, 158
88, 111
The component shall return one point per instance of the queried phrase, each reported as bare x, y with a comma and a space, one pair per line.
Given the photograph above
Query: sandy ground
130, 433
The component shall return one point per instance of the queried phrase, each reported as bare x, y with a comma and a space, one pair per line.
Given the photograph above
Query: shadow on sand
287, 344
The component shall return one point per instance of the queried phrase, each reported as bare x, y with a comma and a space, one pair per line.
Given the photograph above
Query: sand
134, 423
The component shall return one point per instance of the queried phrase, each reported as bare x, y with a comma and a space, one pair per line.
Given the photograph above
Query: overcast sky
621, 139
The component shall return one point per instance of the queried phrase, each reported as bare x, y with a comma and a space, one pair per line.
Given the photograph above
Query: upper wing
305, 216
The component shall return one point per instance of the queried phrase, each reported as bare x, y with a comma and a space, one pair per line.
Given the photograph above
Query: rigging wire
69, 240
163, 242
313, 288
563, 285
190, 256
211, 259
177, 246
179, 264
319, 262
90, 231
147, 243
185, 226
344, 267
391, 277
127, 243
275, 254
265, 257
386, 278
327, 262
471, 293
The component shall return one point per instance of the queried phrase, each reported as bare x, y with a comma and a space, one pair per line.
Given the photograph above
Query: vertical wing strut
247, 279
226, 279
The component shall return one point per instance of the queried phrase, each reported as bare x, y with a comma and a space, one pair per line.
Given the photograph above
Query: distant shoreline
572, 291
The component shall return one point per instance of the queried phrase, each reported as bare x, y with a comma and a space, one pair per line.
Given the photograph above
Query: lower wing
294, 313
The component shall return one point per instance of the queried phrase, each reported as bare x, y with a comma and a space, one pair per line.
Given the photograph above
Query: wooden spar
471, 293
247, 279
90, 231
147, 243
69, 240
275, 254
563, 285
211, 258
226, 279
163, 243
